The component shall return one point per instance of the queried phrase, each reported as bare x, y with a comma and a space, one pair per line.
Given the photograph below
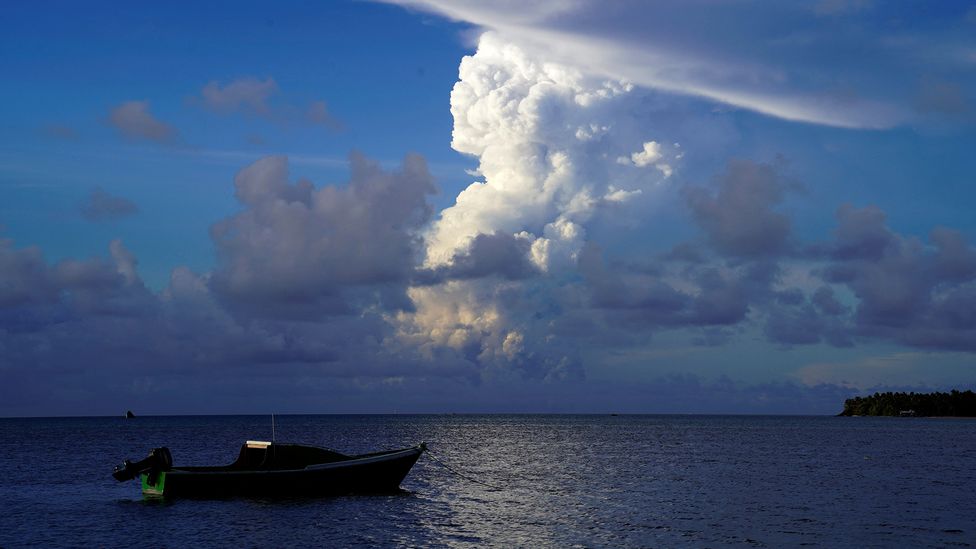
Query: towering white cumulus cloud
547, 138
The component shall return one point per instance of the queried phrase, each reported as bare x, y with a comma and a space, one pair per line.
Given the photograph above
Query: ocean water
556, 481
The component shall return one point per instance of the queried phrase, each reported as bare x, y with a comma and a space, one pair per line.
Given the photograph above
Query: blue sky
69, 65
468, 206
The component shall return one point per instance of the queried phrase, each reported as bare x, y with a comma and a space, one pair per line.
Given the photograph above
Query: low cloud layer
328, 285
917, 293
305, 283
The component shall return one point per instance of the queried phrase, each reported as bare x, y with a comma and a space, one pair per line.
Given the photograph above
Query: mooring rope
459, 473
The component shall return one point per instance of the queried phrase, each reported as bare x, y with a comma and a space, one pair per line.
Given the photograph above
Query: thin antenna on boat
272, 428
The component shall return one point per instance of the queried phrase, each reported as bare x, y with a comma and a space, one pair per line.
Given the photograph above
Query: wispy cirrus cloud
832, 63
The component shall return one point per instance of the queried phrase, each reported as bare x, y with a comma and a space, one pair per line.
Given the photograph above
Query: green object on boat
154, 483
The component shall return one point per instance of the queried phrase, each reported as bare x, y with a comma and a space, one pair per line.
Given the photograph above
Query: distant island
954, 403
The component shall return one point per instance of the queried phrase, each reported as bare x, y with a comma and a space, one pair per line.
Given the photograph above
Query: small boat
271, 469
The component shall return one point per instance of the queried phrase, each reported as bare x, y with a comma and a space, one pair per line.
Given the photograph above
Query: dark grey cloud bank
303, 306
304, 253
868, 282
303, 281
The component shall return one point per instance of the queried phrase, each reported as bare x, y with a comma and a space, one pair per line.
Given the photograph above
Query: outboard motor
159, 459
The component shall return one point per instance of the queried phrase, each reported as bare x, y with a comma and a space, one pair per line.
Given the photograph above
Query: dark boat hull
375, 473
